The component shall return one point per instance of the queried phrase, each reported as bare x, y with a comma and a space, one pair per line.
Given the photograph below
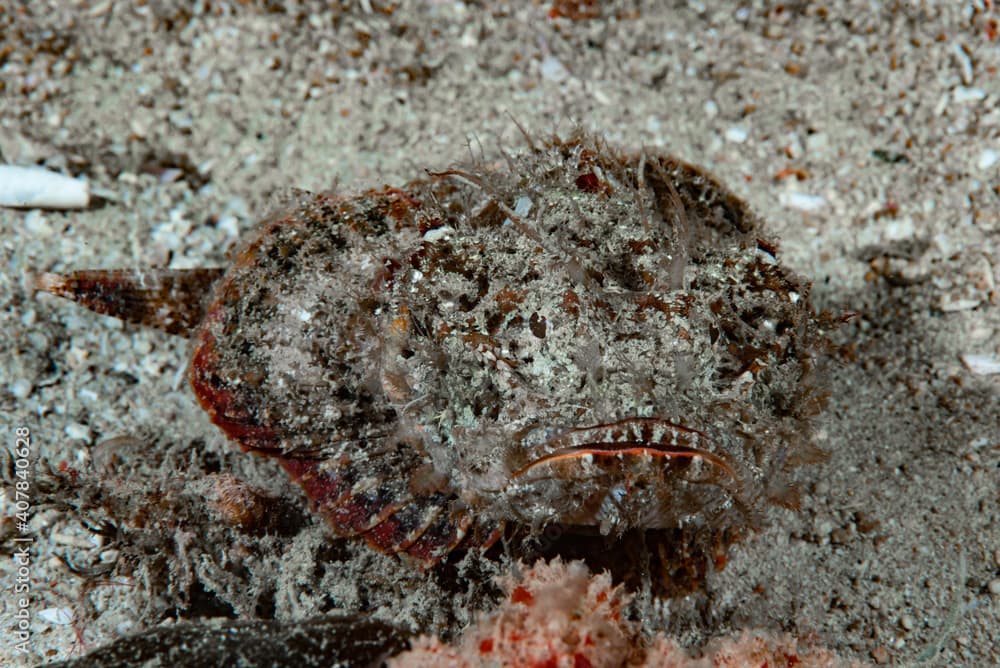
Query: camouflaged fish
570, 336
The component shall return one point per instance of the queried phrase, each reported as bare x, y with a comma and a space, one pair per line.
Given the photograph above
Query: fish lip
630, 437
634, 473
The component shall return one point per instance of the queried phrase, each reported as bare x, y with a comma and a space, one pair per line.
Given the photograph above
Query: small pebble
802, 201
823, 529
522, 207
36, 225
553, 70
840, 536
963, 94
899, 229
865, 522
994, 586
142, 346
816, 142
229, 225
951, 304
181, 119
78, 431
60, 616
470, 37
20, 388
907, 622
737, 134
170, 175
76, 357
987, 158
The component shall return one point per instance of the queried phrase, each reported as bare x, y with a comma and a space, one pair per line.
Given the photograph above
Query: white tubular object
981, 365
37, 188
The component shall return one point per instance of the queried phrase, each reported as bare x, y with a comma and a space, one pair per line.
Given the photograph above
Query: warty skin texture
568, 337
451, 348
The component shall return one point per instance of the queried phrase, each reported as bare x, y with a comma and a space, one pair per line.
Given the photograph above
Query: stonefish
570, 336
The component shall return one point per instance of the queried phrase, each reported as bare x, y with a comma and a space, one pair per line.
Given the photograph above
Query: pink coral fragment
559, 615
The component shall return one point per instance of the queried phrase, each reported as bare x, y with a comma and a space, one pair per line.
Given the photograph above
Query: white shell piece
522, 206
982, 365
802, 201
34, 187
60, 616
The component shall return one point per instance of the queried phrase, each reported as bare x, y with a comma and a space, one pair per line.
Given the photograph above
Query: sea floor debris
559, 615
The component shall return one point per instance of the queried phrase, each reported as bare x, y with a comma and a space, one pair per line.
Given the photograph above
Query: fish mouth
627, 439
634, 473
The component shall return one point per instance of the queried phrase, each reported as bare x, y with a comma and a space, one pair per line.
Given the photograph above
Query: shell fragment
34, 187
981, 365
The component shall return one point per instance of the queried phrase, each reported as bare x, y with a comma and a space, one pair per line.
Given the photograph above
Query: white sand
191, 125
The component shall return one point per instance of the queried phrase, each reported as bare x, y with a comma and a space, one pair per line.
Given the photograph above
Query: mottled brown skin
583, 339
391, 513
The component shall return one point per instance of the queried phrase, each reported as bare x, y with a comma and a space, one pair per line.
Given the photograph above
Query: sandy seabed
867, 135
